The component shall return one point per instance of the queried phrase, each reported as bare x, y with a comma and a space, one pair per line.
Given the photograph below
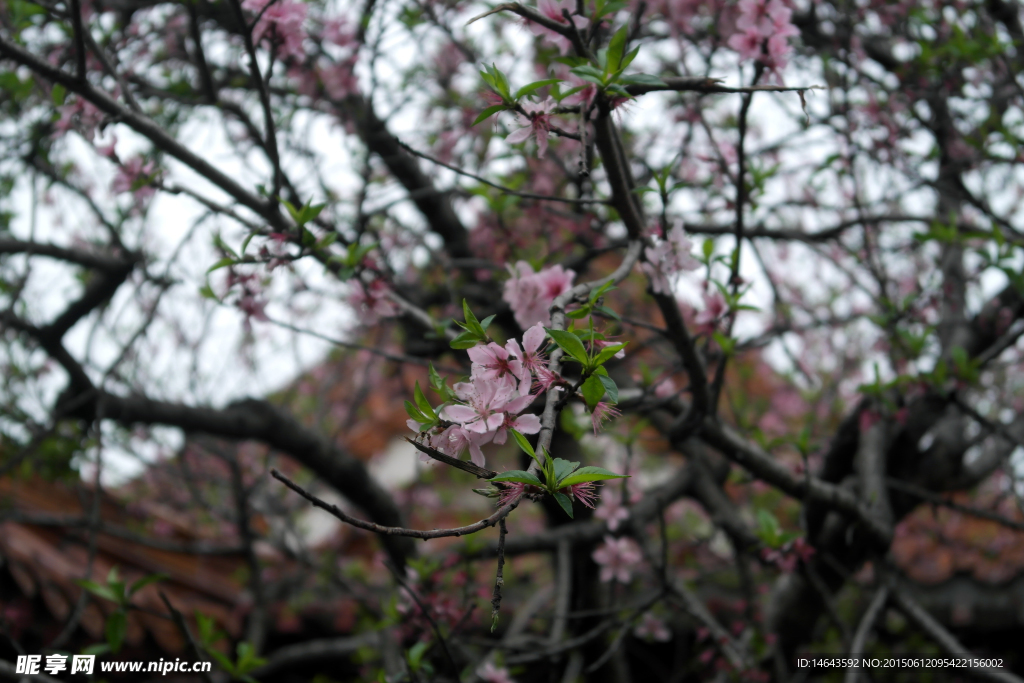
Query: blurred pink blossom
530, 294
618, 558
281, 23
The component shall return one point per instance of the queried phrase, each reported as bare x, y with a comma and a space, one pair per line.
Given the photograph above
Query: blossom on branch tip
602, 411
652, 628
486, 399
612, 512
492, 362
585, 493
667, 259
493, 674
281, 22
511, 491
536, 122
618, 557
529, 354
371, 302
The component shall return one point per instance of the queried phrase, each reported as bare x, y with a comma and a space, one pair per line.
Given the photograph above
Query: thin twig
501, 514
867, 622
499, 579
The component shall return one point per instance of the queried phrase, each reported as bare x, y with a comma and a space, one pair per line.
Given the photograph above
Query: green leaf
117, 626
768, 529
589, 73
58, 94
226, 261
470, 318
418, 416
415, 654
486, 322
423, 403
585, 474
436, 382
247, 659
611, 387
97, 649
565, 502
643, 79
536, 85
488, 113
593, 391
628, 59
563, 468
520, 476
617, 47
608, 312
607, 353
577, 313
98, 589
222, 659
466, 340
525, 445
569, 343
145, 581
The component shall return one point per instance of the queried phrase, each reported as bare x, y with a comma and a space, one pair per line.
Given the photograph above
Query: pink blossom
531, 294
494, 362
620, 354
453, 441
492, 674
281, 23
524, 424
652, 628
80, 115
339, 81
602, 412
537, 123
584, 493
618, 557
486, 399
665, 388
512, 490
667, 259
612, 512
554, 11
529, 355
339, 32
748, 43
714, 309
135, 176
546, 379
763, 32
371, 302
762, 16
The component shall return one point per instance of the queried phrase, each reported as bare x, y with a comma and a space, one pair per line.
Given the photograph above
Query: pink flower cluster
652, 628
281, 24
135, 176
79, 115
764, 30
554, 10
618, 558
791, 554
491, 402
667, 259
531, 294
